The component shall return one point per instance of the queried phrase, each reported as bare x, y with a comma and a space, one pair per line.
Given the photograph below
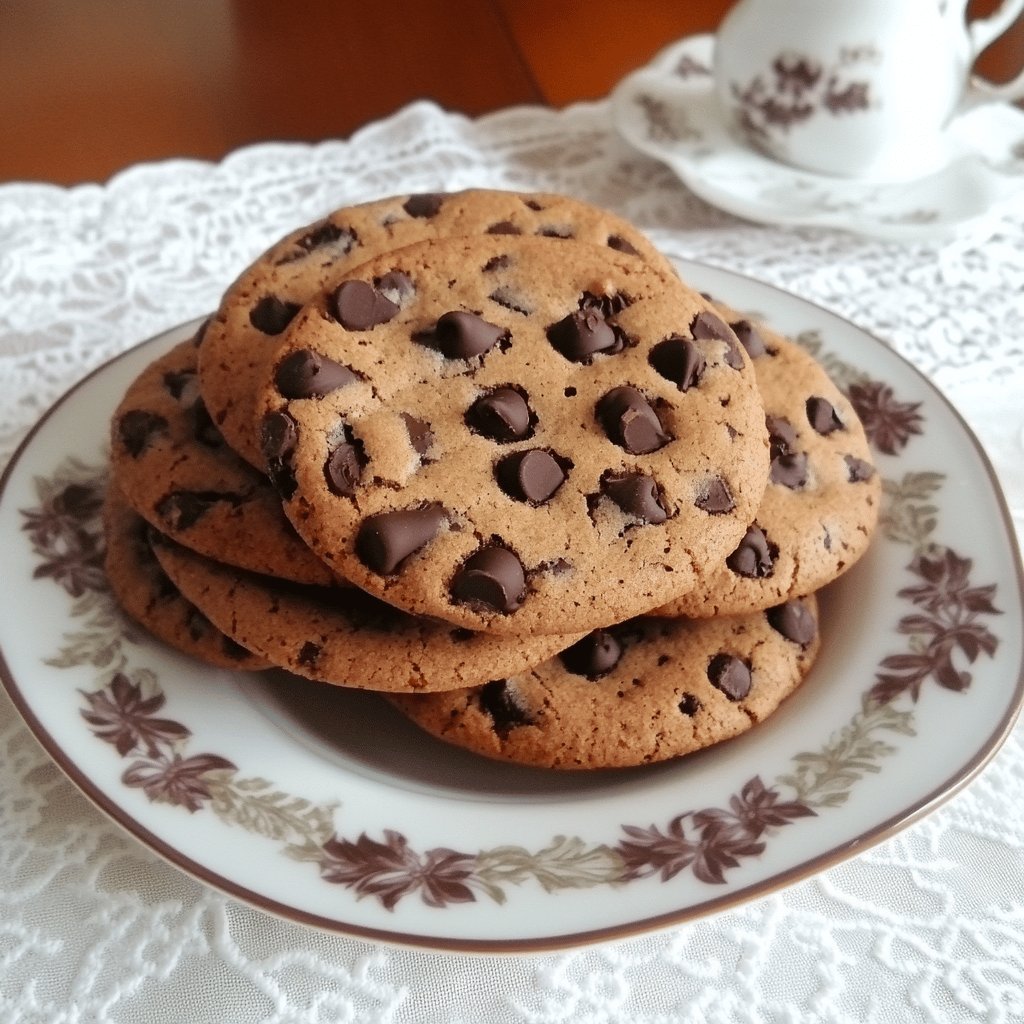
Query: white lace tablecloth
94, 928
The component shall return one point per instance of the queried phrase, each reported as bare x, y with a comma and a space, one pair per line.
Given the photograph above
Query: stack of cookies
487, 454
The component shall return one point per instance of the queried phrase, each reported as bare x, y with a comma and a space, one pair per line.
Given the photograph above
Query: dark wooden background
90, 86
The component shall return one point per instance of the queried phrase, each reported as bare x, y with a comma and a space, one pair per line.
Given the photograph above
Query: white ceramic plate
668, 110
323, 806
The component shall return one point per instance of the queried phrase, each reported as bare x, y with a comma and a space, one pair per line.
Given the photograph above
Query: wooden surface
88, 87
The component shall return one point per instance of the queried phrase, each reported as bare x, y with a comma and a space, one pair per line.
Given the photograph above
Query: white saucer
668, 110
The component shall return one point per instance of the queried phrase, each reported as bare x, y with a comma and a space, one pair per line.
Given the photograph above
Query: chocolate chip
197, 624
750, 338
637, 495
582, 334
308, 654
858, 469
731, 675
183, 509
789, 470
358, 306
821, 415
497, 263
793, 621
630, 421
706, 326
510, 300
272, 315
492, 577
715, 497
182, 386
395, 286
462, 335
619, 243
498, 701
532, 475
503, 227
386, 540
593, 656
278, 438
678, 360
555, 231
340, 239
425, 204
344, 468
232, 649
421, 437
689, 705
755, 557
502, 415
605, 304
138, 428
781, 435
306, 374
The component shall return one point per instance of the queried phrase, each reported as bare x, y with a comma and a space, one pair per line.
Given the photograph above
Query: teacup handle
981, 33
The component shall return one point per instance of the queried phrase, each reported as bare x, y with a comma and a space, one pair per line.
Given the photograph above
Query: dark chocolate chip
593, 656
678, 360
492, 577
421, 437
138, 428
755, 556
425, 204
858, 470
793, 621
344, 468
462, 335
606, 305
197, 624
821, 415
278, 438
501, 415
358, 306
555, 231
582, 334
781, 435
621, 245
183, 509
395, 286
306, 374
386, 540
272, 315
637, 495
731, 675
715, 497
789, 470
182, 386
510, 300
503, 227
705, 325
498, 701
308, 654
689, 705
750, 338
340, 239
630, 421
233, 649
496, 263
532, 475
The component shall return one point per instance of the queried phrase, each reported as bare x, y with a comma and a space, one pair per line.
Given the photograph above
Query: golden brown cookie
640, 692
343, 636
174, 469
143, 590
241, 338
535, 435
821, 505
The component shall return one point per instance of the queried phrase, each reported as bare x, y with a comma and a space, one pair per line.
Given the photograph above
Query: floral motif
173, 779
888, 424
120, 715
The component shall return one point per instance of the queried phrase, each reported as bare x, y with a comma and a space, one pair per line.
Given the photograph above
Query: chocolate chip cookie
643, 691
241, 339
821, 505
174, 469
146, 594
518, 434
343, 636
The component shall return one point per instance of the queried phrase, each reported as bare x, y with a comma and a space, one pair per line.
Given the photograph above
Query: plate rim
715, 905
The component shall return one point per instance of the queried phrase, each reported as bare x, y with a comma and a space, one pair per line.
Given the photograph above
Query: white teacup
855, 88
